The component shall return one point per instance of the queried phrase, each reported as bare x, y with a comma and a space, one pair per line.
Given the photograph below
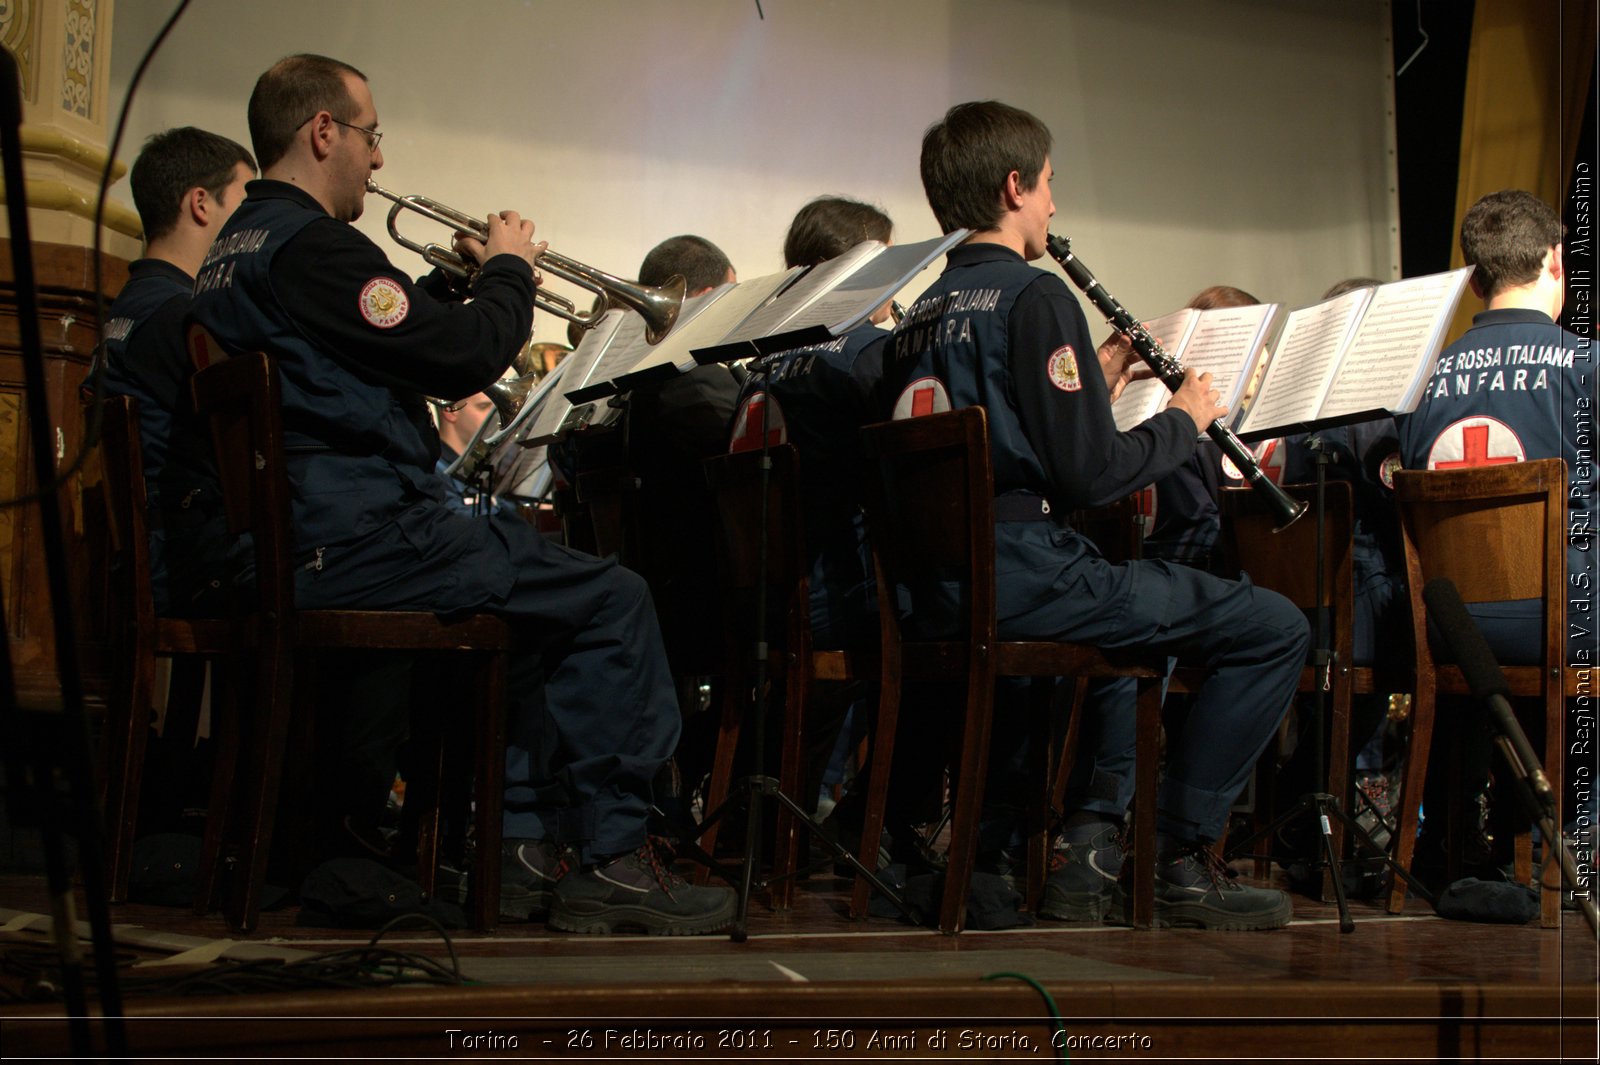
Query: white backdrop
1197, 142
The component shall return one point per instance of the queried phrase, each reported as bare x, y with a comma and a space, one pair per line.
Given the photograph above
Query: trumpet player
357, 345
995, 332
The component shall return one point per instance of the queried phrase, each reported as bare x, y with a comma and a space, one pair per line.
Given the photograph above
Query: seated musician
996, 332
186, 183
356, 345
1514, 387
458, 424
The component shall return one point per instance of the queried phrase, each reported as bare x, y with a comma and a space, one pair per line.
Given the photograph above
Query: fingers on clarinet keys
1199, 399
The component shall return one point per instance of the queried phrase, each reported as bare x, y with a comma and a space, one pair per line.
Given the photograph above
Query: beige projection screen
1198, 142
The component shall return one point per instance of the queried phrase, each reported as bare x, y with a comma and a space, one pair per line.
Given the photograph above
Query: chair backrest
1498, 532
740, 497
1285, 561
242, 398
122, 458
606, 514
930, 509
1117, 529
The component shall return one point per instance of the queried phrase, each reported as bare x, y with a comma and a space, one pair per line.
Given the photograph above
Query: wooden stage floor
810, 985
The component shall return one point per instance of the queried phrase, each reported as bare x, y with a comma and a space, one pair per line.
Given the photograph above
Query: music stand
1320, 802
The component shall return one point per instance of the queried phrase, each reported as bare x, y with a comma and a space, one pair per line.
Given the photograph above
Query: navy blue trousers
592, 713
1251, 643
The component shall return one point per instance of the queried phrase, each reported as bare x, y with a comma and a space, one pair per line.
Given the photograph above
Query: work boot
530, 869
1083, 875
638, 891
1195, 890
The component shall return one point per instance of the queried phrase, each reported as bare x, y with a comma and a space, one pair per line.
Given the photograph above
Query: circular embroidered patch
384, 303
1386, 469
1063, 369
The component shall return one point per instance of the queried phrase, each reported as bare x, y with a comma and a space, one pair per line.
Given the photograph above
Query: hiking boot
529, 872
1083, 876
1194, 889
638, 891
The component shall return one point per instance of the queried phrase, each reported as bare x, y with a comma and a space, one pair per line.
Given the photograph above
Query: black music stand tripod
1321, 803
759, 785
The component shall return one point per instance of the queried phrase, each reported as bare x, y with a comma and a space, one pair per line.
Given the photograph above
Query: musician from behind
997, 332
592, 712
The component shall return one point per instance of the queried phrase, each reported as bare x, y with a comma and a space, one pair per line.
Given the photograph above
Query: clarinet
1170, 372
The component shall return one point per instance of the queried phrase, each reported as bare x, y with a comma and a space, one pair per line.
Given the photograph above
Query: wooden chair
242, 397
1285, 562
793, 662
1498, 532
140, 637
931, 517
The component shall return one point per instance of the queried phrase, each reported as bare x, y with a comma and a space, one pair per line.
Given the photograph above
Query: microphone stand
1320, 801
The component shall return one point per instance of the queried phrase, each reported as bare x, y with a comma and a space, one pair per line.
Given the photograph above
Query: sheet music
1300, 370
1226, 343
1139, 402
714, 316
575, 371
1394, 349
852, 302
782, 313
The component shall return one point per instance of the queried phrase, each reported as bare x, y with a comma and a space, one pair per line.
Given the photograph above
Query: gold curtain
1528, 71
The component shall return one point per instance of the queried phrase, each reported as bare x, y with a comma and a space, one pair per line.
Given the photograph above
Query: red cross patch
1475, 441
747, 425
925, 395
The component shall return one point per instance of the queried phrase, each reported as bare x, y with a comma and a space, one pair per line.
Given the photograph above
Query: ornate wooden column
64, 50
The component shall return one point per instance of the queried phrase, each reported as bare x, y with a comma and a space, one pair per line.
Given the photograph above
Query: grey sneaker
529, 872
1195, 890
1083, 876
638, 891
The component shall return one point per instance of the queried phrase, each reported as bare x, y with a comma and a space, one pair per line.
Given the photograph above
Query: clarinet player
996, 332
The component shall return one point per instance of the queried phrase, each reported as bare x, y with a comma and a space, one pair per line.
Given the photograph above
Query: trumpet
659, 306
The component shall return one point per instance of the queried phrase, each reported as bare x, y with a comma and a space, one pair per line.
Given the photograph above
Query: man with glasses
357, 345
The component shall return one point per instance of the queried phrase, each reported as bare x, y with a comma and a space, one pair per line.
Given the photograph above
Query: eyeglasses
372, 135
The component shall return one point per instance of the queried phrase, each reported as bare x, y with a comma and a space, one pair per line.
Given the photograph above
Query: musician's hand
1198, 399
1121, 364
510, 234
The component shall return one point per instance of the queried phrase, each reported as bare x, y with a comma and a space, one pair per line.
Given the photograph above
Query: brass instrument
658, 305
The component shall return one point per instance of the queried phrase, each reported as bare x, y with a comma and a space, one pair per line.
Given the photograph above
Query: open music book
559, 415
1225, 342
766, 314
829, 299
1355, 357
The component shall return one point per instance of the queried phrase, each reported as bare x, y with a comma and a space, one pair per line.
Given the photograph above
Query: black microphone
1461, 635
1483, 676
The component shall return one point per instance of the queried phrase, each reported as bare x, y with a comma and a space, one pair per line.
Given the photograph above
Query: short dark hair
700, 262
967, 157
293, 90
175, 161
829, 226
1506, 235
1221, 296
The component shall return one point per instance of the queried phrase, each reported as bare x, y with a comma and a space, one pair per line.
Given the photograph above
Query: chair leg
1040, 706
882, 755
489, 760
722, 763
1422, 703
968, 786
127, 740
1146, 769
1069, 747
263, 780
227, 724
